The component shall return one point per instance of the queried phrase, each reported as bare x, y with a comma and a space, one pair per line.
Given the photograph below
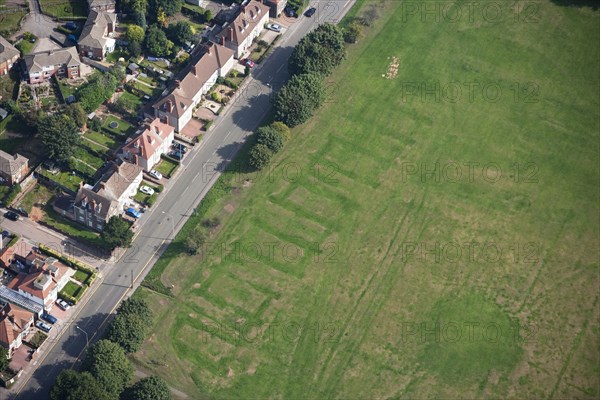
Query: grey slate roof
36, 61
95, 26
10, 164
7, 50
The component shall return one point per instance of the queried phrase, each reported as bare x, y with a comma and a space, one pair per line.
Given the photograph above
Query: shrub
296, 102
271, 138
12, 194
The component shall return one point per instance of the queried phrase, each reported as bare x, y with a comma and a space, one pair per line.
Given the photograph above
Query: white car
147, 190
155, 174
274, 27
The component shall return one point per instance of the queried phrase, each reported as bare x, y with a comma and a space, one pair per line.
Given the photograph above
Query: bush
271, 138
230, 83
260, 156
318, 52
353, 32
296, 102
95, 124
12, 194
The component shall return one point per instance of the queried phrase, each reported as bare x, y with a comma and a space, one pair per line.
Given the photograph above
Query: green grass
25, 46
68, 9
135, 100
83, 154
143, 88
81, 276
166, 167
366, 304
66, 89
12, 143
71, 289
102, 138
10, 22
123, 128
66, 179
71, 228
36, 196
115, 55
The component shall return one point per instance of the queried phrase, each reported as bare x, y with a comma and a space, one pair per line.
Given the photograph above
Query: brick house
247, 26
95, 205
13, 169
277, 7
41, 66
96, 39
177, 108
149, 144
8, 56
15, 325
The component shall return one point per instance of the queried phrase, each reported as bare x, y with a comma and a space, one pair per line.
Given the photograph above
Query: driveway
37, 23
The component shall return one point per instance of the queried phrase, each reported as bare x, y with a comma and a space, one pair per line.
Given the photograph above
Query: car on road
147, 190
274, 27
132, 212
310, 12
43, 326
155, 174
248, 63
63, 305
178, 155
49, 318
290, 12
13, 216
180, 146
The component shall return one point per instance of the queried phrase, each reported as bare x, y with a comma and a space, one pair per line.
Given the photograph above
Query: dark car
290, 12
180, 146
178, 155
310, 12
71, 25
49, 318
13, 216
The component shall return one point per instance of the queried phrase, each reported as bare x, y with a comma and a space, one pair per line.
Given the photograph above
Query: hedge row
70, 262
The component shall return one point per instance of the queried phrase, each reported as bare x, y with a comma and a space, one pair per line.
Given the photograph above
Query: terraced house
149, 144
41, 66
96, 39
8, 56
15, 325
176, 108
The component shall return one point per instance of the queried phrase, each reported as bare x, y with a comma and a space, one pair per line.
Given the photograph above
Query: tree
157, 43
73, 385
282, 128
107, 362
99, 88
295, 103
126, 104
318, 52
271, 138
116, 233
150, 388
3, 358
133, 306
60, 135
139, 18
195, 241
128, 331
135, 33
77, 114
353, 32
135, 49
180, 32
260, 156
208, 16
170, 7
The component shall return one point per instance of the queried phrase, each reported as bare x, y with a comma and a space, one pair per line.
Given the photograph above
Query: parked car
180, 146
5, 234
49, 318
289, 11
147, 190
155, 174
178, 155
310, 12
71, 25
63, 305
248, 63
13, 216
274, 27
43, 326
132, 212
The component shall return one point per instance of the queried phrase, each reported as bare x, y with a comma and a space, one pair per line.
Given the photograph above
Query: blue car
49, 318
132, 212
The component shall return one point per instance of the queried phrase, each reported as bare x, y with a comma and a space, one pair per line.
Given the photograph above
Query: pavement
199, 171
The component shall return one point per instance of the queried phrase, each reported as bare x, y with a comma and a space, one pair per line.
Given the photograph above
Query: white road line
279, 69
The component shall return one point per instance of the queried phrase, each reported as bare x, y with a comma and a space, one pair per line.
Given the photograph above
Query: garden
167, 166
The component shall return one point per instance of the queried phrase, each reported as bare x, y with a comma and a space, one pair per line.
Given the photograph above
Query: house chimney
169, 106
222, 40
178, 83
194, 71
230, 32
93, 205
208, 49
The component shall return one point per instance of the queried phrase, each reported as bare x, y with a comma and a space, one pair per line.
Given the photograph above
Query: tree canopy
170, 7
180, 32
60, 135
260, 156
77, 114
318, 52
128, 331
3, 358
116, 233
297, 100
107, 362
156, 42
73, 385
271, 138
150, 388
135, 33
134, 306
99, 88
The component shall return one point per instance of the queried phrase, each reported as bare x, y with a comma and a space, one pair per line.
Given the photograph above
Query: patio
22, 356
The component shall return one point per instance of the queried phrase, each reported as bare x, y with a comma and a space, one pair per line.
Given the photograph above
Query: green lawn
25, 46
37, 196
81, 276
67, 179
71, 289
143, 88
123, 128
9, 22
71, 228
68, 9
102, 138
66, 89
368, 276
115, 55
166, 167
83, 154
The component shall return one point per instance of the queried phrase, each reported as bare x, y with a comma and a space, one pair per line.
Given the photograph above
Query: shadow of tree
593, 4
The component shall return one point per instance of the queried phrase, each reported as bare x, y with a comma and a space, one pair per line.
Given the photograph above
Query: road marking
279, 69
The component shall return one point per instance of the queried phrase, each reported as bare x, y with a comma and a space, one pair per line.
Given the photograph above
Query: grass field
353, 271
68, 9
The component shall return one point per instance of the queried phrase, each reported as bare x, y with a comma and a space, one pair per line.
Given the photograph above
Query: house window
91, 223
81, 218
